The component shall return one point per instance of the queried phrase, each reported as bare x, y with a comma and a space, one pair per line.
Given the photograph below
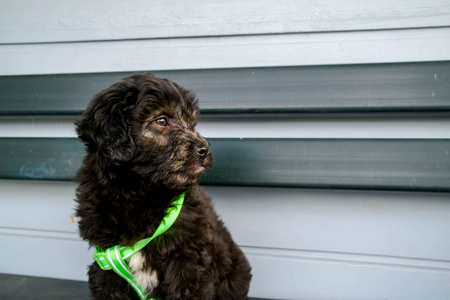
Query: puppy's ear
104, 125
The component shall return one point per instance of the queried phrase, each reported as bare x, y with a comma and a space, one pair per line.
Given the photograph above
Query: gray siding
68, 22
302, 243
295, 49
368, 78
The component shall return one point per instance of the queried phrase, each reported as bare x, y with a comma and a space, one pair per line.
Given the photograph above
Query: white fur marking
146, 278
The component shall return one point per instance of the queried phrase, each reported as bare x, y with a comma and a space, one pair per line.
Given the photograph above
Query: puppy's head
146, 125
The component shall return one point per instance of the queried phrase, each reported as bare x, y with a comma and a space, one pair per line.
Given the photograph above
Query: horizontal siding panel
377, 224
292, 237
370, 164
328, 127
409, 87
366, 126
328, 163
45, 159
316, 279
392, 46
70, 256
29, 22
46, 207
380, 226
290, 277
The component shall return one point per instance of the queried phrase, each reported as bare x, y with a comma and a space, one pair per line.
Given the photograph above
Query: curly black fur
142, 152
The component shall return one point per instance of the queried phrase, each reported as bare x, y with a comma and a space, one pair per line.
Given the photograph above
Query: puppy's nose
201, 151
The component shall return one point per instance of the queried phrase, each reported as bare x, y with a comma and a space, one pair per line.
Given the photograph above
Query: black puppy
143, 151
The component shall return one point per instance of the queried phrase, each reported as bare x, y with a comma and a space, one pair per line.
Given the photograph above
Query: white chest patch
146, 278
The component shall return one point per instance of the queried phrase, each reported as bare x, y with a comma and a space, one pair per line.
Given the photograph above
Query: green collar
114, 257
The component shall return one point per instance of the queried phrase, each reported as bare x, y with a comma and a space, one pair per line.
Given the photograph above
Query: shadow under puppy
142, 152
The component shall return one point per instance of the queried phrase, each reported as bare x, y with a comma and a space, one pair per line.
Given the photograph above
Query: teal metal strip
385, 88
406, 164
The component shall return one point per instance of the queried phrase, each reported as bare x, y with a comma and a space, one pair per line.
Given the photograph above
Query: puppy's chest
144, 275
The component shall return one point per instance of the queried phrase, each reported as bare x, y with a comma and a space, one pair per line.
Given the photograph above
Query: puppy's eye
161, 122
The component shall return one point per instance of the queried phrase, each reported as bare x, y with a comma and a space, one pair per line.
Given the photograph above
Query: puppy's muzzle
201, 151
